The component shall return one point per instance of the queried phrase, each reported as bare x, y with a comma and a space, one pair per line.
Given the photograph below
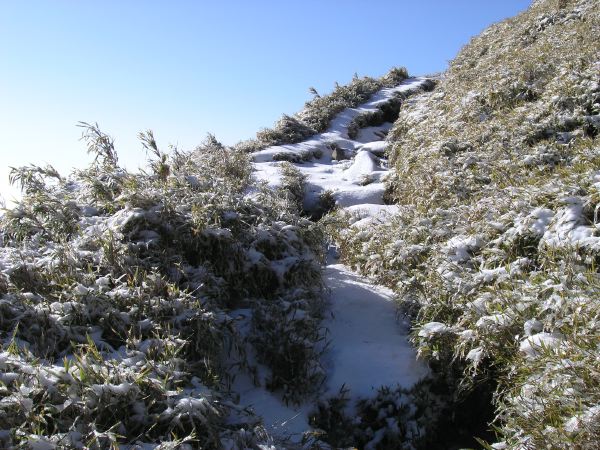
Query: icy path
368, 349
368, 346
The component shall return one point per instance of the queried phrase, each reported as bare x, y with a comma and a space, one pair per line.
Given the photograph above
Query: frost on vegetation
433, 328
317, 113
116, 292
496, 238
117, 289
533, 345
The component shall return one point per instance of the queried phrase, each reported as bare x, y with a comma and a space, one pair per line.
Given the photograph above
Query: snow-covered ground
368, 346
355, 181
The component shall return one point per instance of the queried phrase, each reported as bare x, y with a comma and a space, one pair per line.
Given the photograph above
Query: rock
339, 154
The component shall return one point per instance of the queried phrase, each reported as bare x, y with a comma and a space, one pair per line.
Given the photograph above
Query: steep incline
353, 170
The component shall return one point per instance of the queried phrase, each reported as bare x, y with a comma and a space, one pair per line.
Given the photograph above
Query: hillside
496, 246
406, 263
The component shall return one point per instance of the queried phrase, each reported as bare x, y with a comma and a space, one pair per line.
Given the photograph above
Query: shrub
116, 292
293, 184
288, 130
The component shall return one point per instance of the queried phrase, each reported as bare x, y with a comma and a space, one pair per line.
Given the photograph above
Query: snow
460, 248
569, 227
365, 214
375, 146
364, 164
370, 134
40, 443
503, 273
541, 218
433, 328
532, 345
493, 321
281, 420
532, 326
575, 423
116, 389
192, 406
368, 347
342, 178
475, 355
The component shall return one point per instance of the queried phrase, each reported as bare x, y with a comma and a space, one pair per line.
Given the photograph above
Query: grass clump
293, 185
386, 112
299, 157
319, 111
287, 130
429, 415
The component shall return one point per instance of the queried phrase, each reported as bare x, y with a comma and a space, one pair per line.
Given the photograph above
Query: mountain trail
367, 343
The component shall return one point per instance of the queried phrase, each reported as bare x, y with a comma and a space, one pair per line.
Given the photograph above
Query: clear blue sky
185, 68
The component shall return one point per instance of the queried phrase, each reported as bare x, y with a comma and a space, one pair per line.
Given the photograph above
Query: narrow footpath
368, 346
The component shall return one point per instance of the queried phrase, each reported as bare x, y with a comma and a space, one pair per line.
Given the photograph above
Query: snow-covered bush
294, 157
117, 291
386, 112
429, 415
319, 111
287, 130
293, 184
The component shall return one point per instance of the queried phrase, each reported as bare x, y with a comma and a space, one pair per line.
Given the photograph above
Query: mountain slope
496, 247
186, 305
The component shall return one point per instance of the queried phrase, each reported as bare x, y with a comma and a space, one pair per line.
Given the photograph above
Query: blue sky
185, 68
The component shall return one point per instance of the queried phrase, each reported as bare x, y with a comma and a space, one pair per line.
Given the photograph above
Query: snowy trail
346, 179
368, 349
368, 346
